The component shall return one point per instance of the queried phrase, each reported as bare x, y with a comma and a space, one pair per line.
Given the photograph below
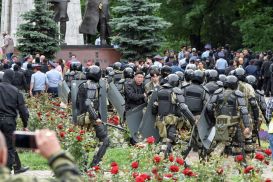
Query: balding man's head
3, 150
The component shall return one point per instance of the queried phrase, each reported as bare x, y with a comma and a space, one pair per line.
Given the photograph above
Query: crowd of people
223, 85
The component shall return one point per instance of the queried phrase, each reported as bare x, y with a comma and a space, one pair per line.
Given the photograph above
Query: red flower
157, 159
268, 152
180, 161
188, 172
154, 170
114, 170
174, 168
239, 158
39, 114
115, 120
96, 168
135, 174
62, 134
259, 156
150, 140
139, 179
79, 138
82, 132
145, 176
248, 169
114, 164
171, 158
268, 180
220, 171
168, 175
60, 126
134, 165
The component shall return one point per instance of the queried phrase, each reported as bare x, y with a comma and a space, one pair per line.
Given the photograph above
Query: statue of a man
60, 14
95, 19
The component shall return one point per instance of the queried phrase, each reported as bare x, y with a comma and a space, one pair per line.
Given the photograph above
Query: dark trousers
102, 135
7, 127
36, 92
267, 85
53, 91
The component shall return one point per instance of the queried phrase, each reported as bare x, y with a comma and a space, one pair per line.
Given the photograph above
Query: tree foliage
138, 30
39, 33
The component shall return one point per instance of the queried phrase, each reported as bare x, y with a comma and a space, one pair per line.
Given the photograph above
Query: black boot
17, 165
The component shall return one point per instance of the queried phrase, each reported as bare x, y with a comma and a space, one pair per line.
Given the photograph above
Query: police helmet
109, 70
231, 82
93, 73
128, 73
198, 76
188, 74
212, 75
180, 74
252, 80
76, 66
117, 66
173, 80
132, 65
222, 78
154, 67
232, 72
240, 74
165, 71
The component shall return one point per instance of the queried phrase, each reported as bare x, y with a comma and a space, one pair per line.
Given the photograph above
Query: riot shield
63, 91
133, 119
103, 100
74, 92
147, 126
205, 130
116, 99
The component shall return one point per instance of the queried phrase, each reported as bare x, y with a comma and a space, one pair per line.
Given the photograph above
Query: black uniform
121, 85
11, 100
134, 95
19, 81
212, 86
225, 103
167, 107
88, 101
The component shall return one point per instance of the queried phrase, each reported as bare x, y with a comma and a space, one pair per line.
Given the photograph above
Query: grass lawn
33, 160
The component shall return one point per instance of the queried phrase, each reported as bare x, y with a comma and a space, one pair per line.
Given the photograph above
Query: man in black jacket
265, 72
19, 80
11, 101
135, 92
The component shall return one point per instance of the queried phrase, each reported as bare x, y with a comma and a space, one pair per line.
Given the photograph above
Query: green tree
39, 33
256, 24
138, 30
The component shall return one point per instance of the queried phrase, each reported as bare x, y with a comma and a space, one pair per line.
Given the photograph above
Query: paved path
39, 174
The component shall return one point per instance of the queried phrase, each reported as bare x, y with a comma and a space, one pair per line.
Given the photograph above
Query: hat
193, 49
52, 64
158, 57
140, 73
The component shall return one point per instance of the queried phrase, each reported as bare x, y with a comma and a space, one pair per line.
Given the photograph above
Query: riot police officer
88, 102
188, 75
128, 75
212, 84
259, 95
117, 72
223, 112
181, 76
165, 71
170, 105
75, 73
250, 102
109, 73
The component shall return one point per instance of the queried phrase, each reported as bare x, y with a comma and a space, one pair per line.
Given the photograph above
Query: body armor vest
212, 87
228, 104
194, 97
92, 94
165, 105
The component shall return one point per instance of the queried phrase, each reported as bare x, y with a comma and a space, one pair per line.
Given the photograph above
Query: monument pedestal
105, 55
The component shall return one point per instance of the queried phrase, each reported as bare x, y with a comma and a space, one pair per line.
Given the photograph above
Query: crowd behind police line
135, 79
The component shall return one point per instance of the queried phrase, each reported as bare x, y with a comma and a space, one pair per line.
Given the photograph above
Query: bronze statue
95, 19
60, 14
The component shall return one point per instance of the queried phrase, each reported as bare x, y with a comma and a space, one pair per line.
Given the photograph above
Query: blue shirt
53, 77
39, 81
221, 64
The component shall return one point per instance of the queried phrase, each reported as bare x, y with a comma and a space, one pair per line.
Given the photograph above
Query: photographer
48, 146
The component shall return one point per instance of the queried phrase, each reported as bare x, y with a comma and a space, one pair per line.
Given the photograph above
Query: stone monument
13, 9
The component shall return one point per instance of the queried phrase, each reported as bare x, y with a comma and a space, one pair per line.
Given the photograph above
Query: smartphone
24, 139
